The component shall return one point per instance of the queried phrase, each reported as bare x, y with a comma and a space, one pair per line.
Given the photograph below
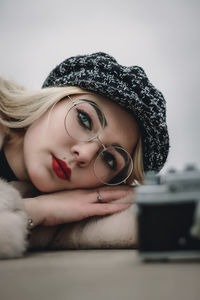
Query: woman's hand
75, 205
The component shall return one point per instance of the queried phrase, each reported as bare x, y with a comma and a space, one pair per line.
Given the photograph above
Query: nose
85, 152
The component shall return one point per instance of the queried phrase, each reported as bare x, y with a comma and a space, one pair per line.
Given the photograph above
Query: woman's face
49, 149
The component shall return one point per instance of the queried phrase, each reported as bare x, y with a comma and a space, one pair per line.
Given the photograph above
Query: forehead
121, 125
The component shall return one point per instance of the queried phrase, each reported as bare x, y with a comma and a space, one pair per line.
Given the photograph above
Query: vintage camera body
168, 214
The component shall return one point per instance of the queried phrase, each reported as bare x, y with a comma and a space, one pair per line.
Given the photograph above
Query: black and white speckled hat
127, 86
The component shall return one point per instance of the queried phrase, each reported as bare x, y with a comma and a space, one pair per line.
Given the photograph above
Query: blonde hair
20, 107
138, 169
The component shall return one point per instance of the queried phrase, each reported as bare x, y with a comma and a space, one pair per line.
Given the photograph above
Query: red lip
61, 168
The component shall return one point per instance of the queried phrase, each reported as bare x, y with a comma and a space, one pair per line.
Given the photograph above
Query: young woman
83, 142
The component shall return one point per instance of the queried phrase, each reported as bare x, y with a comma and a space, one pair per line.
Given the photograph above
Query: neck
14, 153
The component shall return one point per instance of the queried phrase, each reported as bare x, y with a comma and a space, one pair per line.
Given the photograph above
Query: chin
44, 188
47, 186
40, 181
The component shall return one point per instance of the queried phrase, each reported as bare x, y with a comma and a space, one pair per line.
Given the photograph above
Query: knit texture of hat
127, 86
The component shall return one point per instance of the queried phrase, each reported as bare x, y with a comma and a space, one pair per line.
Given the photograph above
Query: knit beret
127, 86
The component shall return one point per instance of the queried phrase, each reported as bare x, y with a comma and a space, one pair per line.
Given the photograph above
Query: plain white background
161, 36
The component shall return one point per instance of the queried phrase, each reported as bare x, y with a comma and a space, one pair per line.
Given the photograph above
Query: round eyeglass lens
113, 165
84, 121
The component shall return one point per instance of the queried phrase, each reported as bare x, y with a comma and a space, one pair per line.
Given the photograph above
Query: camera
168, 215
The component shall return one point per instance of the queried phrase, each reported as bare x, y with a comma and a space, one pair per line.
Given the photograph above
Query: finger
106, 194
116, 187
107, 209
111, 195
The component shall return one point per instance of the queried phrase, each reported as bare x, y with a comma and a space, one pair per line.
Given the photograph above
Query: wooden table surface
98, 275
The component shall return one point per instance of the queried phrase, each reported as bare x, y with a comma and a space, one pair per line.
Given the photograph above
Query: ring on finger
99, 197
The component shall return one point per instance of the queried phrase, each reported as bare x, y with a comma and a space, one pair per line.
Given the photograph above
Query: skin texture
31, 160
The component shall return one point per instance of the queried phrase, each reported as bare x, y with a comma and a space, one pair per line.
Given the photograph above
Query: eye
110, 160
84, 119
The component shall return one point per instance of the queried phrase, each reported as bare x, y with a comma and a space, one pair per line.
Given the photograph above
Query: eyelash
106, 154
85, 115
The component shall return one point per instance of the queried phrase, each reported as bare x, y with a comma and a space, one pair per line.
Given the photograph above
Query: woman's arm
76, 205
112, 230
58, 208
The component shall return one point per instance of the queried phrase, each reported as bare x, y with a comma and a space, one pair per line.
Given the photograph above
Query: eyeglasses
84, 122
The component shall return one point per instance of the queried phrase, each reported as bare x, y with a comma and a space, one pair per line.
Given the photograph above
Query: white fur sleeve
13, 222
113, 231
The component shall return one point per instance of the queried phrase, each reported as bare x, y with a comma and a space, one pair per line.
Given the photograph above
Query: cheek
33, 143
58, 141
31, 140
57, 134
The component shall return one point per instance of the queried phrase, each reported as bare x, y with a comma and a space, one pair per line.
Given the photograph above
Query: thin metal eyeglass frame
75, 103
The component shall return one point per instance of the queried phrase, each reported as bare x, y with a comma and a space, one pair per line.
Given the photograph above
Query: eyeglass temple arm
72, 101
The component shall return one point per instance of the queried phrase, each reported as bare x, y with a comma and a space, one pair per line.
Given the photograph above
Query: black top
5, 170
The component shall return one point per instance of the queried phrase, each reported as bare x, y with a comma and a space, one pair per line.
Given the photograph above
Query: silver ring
99, 197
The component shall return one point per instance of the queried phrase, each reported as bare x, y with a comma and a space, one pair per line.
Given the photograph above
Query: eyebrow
99, 115
119, 150
116, 145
